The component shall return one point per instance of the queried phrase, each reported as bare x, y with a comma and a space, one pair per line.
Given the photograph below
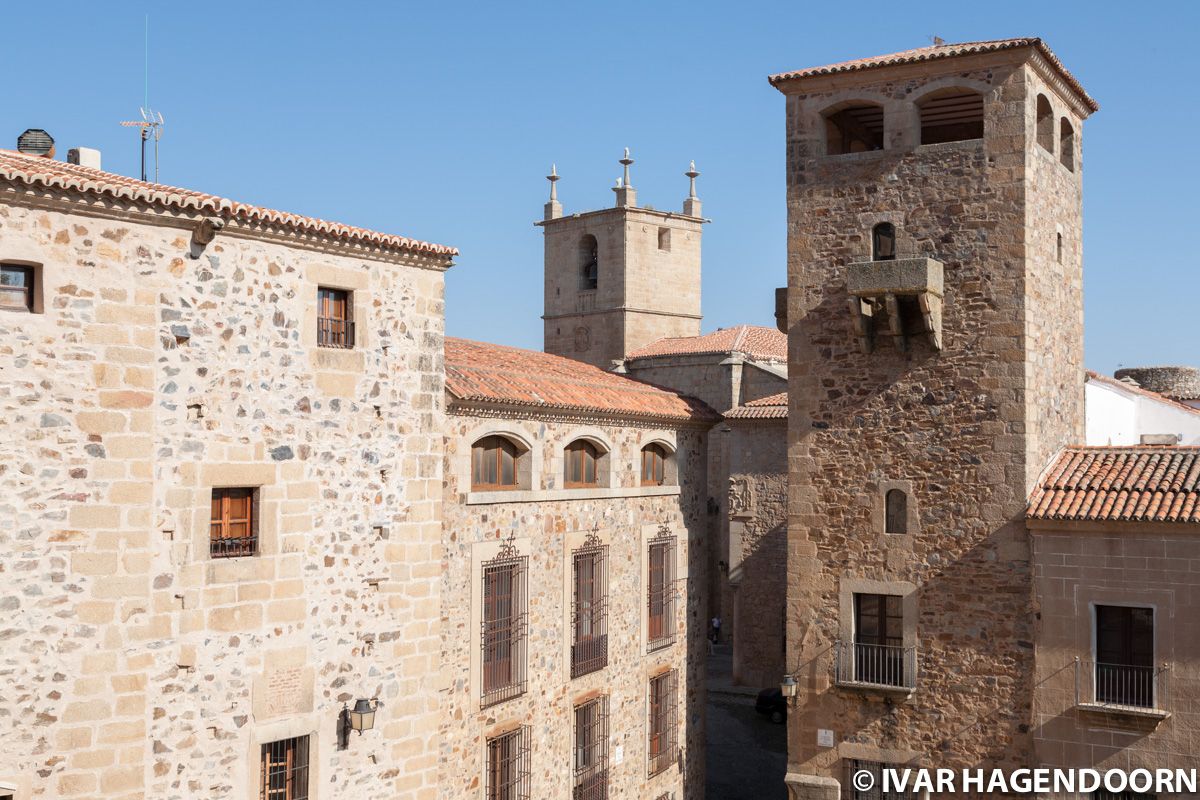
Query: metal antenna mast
151, 123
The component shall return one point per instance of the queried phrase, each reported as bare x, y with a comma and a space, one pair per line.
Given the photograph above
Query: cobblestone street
746, 752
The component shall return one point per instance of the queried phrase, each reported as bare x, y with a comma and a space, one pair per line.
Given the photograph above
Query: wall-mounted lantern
788, 687
360, 718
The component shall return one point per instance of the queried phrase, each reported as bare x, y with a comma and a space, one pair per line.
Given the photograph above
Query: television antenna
151, 125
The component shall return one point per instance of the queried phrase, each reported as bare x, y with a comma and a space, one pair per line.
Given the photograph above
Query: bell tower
619, 278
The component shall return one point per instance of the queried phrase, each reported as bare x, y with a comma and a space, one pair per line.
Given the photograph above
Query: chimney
84, 157
36, 142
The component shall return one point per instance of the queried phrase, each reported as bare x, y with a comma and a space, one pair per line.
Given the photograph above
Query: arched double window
494, 464
883, 242
589, 262
582, 465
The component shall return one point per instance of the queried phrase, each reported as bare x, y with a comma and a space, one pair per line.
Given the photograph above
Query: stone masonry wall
547, 530
953, 426
134, 666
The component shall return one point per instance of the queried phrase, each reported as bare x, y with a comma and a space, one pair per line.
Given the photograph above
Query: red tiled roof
1134, 388
940, 51
1121, 484
51, 174
756, 341
485, 372
773, 406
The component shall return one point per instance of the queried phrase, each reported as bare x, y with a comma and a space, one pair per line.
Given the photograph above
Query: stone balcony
901, 287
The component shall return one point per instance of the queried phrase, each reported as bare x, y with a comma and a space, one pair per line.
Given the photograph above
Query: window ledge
551, 495
903, 692
1139, 712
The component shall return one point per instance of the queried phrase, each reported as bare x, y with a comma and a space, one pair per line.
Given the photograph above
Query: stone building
220, 495
934, 314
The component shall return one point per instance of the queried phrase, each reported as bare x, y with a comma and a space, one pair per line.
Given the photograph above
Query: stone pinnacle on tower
626, 194
553, 207
691, 206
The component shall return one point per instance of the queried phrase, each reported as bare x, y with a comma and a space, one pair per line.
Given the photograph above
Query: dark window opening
1125, 656
951, 115
654, 469
508, 765
16, 287
283, 769
664, 239
335, 323
883, 242
879, 639
589, 260
589, 613
662, 726
1059, 247
582, 459
591, 750
896, 502
233, 526
504, 627
1066, 144
494, 462
1045, 124
854, 129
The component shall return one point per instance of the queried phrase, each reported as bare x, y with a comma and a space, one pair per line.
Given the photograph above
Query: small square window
335, 318
18, 285
233, 529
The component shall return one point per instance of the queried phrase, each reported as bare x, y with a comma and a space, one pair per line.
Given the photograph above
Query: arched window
853, 128
951, 115
1045, 124
654, 465
1066, 144
581, 469
494, 464
589, 262
897, 511
883, 242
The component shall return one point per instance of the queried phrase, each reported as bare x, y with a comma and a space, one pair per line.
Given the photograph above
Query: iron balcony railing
333, 332
1120, 686
882, 665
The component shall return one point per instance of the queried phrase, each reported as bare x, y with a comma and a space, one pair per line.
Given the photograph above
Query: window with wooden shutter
589, 613
654, 465
16, 287
663, 741
335, 322
508, 766
233, 528
660, 600
284, 770
504, 626
591, 750
581, 464
494, 462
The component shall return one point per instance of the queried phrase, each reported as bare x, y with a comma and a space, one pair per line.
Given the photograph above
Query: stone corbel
931, 315
862, 319
895, 324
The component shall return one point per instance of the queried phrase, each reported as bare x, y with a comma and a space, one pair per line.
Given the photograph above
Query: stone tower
935, 324
621, 277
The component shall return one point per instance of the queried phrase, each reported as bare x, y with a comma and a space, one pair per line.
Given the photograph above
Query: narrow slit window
589, 263
335, 323
896, 502
1045, 124
1066, 144
233, 529
1058, 248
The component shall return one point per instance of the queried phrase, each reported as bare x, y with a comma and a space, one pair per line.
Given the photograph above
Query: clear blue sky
439, 121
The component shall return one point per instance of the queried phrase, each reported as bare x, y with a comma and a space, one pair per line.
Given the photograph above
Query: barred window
504, 626
662, 723
876, 792
233, 529
661, 591
335, 323
654, 461
591, 750
284, 770
589, 614
508, 766
581, 464
494, 464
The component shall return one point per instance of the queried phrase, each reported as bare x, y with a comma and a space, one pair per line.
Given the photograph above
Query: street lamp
788, 687
360, 718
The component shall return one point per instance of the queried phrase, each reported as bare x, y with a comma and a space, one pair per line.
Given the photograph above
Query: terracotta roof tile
1121, 484
1135, 389
771, 407
50, 174
483, 372
940, 51
756, 341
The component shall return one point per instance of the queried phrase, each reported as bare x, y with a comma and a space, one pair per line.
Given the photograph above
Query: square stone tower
935, 323
619, 278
